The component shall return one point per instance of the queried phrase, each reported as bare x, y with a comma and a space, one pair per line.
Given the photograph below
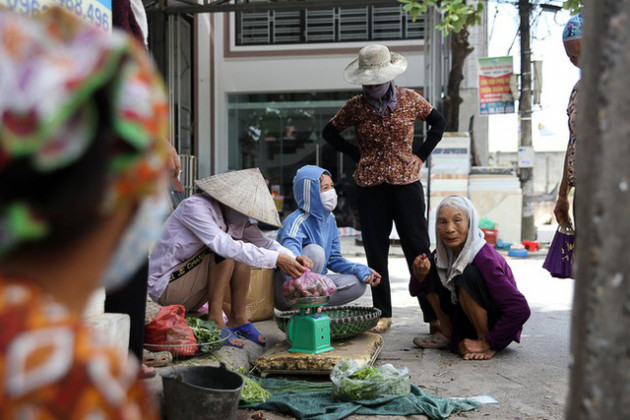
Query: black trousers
131, 300
380, 207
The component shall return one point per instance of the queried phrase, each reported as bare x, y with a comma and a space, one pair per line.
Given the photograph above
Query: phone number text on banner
96, 12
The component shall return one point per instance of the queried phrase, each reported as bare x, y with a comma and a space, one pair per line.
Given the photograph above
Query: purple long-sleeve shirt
198, 222
513, 307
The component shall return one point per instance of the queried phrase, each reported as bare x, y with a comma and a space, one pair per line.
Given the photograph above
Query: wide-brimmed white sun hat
244, 191
375, 65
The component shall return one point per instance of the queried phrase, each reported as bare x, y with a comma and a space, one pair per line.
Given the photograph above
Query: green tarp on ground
321, 406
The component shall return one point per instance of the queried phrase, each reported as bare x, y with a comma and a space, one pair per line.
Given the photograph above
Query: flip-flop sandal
232, 336
431, 341
156, 359
249, 332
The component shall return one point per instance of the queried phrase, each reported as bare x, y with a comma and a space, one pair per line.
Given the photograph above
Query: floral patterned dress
53, 367
572, 114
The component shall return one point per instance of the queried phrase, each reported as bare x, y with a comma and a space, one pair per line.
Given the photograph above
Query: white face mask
234, 217
329, 199
134, 245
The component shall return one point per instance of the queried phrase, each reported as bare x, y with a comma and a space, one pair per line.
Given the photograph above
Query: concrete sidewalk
530, 379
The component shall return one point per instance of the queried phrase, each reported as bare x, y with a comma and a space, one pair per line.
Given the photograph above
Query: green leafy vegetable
205, 331
252, 391
354, 382
364, 373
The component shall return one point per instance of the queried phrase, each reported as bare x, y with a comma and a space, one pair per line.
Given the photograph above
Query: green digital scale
309, 331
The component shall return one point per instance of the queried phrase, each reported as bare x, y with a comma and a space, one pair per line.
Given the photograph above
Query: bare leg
440, 337
239, 286
444, 322
218, 280
475, 349
477, 315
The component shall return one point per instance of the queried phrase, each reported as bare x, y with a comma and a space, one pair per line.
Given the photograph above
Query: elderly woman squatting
470, 287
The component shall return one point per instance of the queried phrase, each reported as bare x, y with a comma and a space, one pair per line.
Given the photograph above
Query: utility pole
600, 344
526, 174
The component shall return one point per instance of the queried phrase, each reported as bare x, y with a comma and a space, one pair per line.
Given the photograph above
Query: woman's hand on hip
416, 164
173, 165
290, 266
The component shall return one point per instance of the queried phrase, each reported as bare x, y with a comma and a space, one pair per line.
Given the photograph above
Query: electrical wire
494, 20
518, 33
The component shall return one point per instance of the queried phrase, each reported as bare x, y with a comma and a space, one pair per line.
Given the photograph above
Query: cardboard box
260, 301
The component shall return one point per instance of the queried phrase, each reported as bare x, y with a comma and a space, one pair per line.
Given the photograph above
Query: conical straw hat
245, 191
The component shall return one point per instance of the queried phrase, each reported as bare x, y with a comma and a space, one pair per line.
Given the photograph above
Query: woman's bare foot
383, 325
484, 355
431, 341
468, 345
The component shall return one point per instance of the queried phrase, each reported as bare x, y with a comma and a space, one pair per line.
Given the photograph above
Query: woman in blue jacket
311, 230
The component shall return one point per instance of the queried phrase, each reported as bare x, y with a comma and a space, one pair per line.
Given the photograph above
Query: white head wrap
448, 266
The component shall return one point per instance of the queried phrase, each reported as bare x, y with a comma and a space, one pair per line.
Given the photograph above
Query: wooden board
364, 349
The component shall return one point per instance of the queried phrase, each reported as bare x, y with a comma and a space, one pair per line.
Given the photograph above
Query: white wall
478, 38
202, 85
298, 73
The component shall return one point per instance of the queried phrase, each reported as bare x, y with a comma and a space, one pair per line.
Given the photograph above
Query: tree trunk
460, 49
600, 375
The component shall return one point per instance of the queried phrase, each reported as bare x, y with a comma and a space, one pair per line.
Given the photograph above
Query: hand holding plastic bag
308, 284
559, 258
352, 381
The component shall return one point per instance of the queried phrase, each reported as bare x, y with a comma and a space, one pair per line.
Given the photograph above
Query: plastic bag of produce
352, 381
169, 331
309, 284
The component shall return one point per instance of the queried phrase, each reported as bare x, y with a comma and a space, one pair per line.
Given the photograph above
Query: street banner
495, 96
95, 12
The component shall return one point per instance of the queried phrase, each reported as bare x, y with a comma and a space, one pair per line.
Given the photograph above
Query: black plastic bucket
201, 392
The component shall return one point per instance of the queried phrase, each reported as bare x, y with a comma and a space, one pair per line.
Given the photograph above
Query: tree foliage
574, 6
456, 17
456, 14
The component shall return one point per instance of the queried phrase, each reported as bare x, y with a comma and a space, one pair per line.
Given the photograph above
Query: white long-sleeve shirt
197, 223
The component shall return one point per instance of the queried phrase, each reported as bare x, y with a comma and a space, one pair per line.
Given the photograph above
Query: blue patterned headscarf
573, 29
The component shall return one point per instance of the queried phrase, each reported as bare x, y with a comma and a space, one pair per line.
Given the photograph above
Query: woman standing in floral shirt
82, 170
388, 169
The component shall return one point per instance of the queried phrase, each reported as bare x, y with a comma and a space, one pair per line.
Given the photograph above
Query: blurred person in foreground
130, 298
470, 287
572, 39
82, 195
209, 244
312, 230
